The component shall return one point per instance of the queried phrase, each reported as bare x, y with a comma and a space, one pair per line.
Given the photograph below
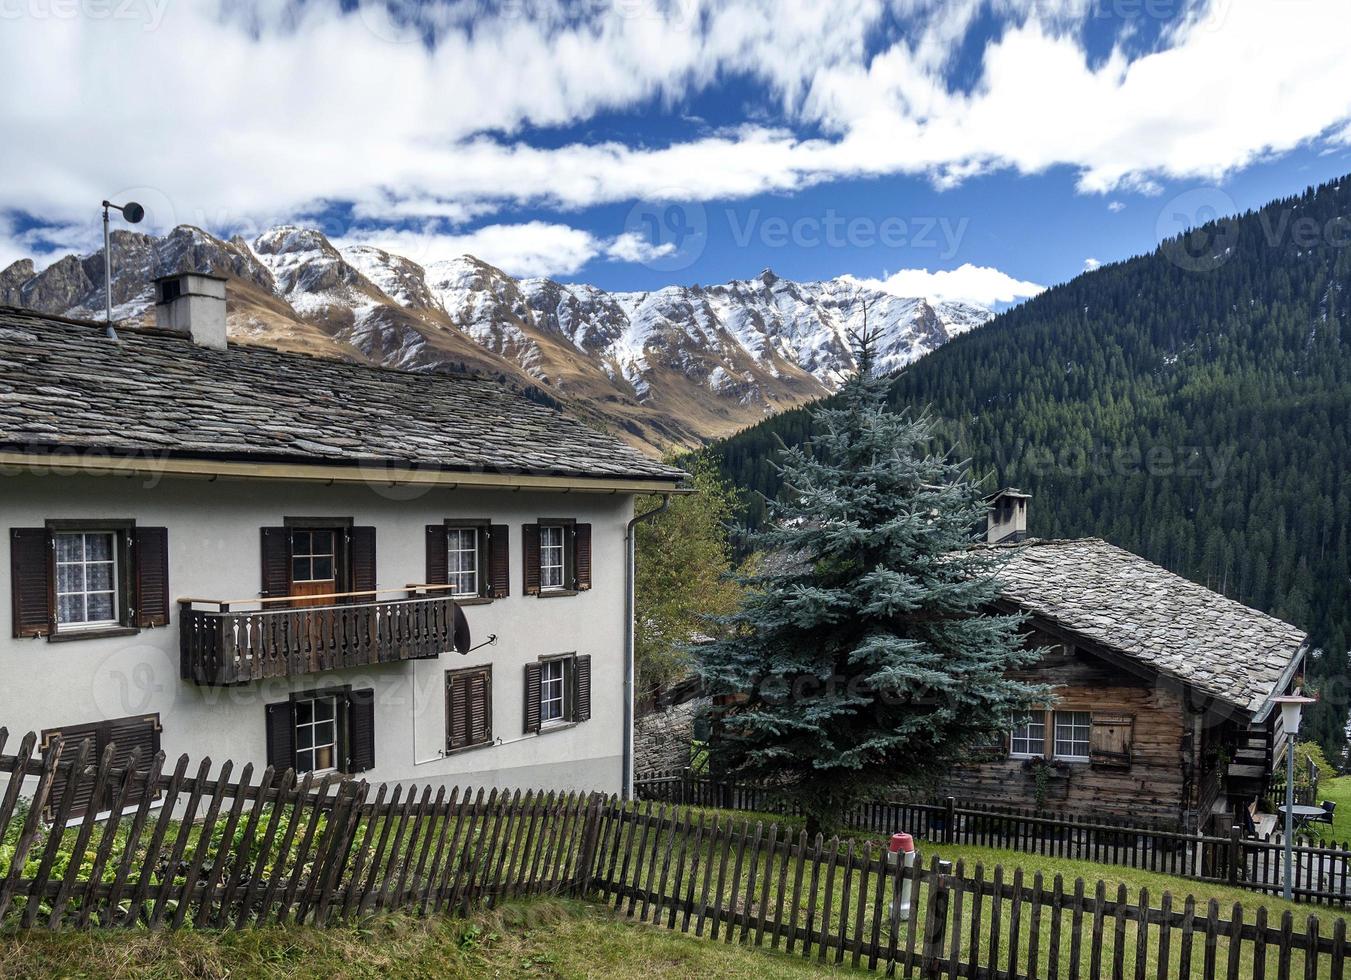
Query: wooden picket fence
1322, 873
215, 851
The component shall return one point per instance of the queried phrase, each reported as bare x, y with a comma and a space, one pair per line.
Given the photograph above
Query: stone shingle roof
1175, 626
64, 385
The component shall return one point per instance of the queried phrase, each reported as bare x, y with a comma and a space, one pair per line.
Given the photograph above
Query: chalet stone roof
1182, 629
65, 386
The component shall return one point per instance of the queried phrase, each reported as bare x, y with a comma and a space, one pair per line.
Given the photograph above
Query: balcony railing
233, 642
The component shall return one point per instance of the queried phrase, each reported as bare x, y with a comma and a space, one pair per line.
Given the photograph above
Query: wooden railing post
1235, 852
950, 821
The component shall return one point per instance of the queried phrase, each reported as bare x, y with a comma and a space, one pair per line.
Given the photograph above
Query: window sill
555, 593
556, 726
1072, 759
472, 600
102, 633
447, 753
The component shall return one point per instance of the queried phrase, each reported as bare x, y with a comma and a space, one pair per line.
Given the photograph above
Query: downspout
630, 563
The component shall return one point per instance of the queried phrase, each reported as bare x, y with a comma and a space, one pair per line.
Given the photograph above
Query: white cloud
310, 104
535, 248
977, 284
1116, 206
634, 247
1091, 263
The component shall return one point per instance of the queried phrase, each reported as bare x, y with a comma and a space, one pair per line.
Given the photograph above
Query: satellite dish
133, 212
462, 639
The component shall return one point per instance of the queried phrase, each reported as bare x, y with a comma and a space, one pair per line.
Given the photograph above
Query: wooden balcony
234, 642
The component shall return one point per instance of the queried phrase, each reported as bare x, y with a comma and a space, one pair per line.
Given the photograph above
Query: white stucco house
228, 551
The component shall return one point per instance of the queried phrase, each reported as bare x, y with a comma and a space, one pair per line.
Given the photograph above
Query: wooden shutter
581, 557
30, 581
276, 551
1111, 741
532, 709
360, 731
581, 688
438, 565
362, 550
469, 712
530, 558
457, 711
481, 707
73, 736
499, 562
281, 736
150, 559
142, 733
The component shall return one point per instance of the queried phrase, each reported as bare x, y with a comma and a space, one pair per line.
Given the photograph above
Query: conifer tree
864, 655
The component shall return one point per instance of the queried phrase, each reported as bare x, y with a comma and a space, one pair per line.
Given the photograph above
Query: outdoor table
1302, 813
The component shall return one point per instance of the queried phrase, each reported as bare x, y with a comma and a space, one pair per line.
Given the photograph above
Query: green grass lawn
1339, 791
543, 938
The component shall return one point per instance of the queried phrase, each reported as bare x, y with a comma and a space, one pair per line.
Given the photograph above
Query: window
462, 551
86, 580
313, 556
553, 685
316, 733
469, 708
551, 557
1073, 732
1028, 738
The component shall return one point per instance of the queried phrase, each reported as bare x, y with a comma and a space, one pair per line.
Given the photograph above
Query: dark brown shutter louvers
276, 552
30, 581
129, 735
457, 712
73, 736
361, 730
363, 559
481, 708
532, 707
138, 733
281, 734
581, 557
469, 708
530, 558
499, 562
438, 565
150, 559
581, 698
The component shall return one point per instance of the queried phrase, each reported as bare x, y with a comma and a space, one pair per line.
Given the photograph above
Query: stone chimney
192, 304
1007, 520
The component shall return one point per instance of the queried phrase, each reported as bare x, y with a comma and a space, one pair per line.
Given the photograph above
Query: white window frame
1075, 722
82, 625
547, 684
1021, 731
312, 724
455, 531
561, 565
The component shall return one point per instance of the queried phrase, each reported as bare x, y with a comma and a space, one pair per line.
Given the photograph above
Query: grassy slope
545, 938
1338, 790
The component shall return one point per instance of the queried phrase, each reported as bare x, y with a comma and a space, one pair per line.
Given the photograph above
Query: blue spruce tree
866, 654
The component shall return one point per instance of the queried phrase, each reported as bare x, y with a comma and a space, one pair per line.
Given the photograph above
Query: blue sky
965, 149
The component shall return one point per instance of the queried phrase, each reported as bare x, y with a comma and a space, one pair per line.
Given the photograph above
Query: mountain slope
1192, 405
667, 368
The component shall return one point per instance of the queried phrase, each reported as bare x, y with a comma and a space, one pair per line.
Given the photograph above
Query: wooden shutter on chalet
281, 736
138, 733
581, 688
1111, 741
469, 712
73, 736
499, 562
532, 698
276, 552
360, 731
438, 567
530, 559
30, 581
581, 557
362, 550
150, 559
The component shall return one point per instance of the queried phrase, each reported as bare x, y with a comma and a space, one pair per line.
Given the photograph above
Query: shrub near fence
229, 853
1322, 874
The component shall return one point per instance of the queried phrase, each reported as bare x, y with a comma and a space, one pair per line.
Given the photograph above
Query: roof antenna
133, 213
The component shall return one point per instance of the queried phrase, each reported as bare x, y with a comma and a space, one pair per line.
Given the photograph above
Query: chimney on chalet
192, 304
1007, 519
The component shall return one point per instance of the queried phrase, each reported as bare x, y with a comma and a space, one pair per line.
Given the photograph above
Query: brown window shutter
281, 736
73, 736
581, 688
360, 731
1111, 739
532, 712
457, 711
438, 565
150, 559
362, 550
30, 581
141, 732
499, 562
276, 551
481, 707
530, 559
581, 557
469, 708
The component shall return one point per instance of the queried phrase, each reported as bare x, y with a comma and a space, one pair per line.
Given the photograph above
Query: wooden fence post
936, 922
950, 821
1235, 852
590, 837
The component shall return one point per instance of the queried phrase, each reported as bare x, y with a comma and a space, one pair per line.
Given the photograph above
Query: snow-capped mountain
673, 366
